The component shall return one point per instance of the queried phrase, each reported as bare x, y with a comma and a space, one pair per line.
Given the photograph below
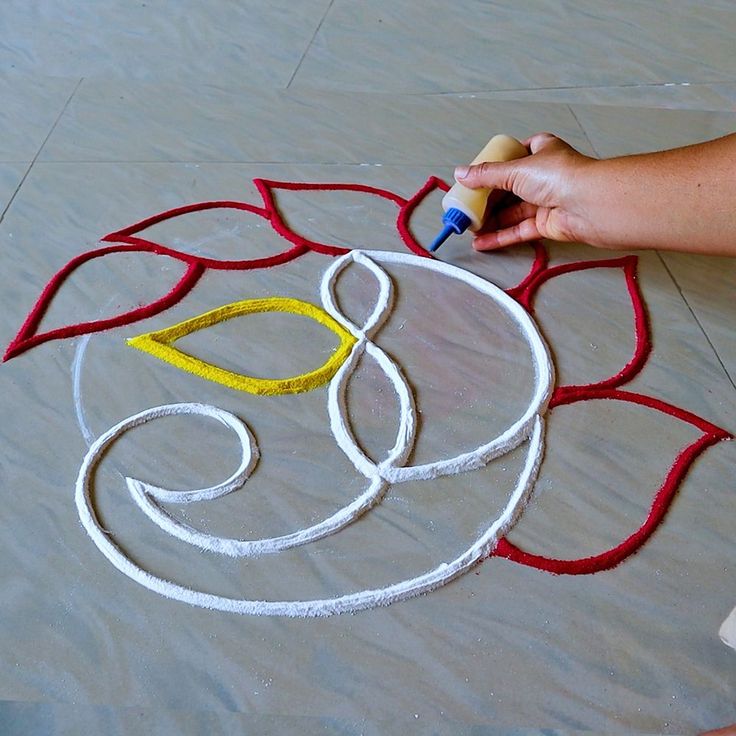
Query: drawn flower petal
538, 265
586, 331
403, 222
663, 496
269, 191
511, 269
160, 345
135, 235
28, 336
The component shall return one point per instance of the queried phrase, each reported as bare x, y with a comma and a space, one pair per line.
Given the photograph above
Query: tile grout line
697, 321
309, 45
564, 88
38, 153
584, 132
218, 162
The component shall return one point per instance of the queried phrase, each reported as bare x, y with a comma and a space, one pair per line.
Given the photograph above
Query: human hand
550, 195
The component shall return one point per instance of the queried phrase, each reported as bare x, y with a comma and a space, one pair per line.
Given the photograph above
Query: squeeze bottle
465, 208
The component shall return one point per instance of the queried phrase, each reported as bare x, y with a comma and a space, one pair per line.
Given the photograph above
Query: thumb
493, 175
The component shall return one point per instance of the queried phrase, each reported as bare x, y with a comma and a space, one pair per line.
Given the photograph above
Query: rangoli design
354, 342
160, 344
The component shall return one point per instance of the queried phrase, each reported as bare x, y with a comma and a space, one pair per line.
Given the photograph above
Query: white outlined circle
393, 469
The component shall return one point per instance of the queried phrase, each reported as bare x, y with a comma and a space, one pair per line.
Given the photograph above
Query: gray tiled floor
30, 107
510, 45
122, 121
623, 130
220, 43
11, 175
433, 632
671, 95
113, 111
707, 285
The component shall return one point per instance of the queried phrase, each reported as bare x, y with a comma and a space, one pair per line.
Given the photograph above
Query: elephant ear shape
30, 335
160, 344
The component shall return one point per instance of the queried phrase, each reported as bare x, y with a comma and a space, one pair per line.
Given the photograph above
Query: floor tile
673, 96
30, 107
708, 286
186, 41
10, 177
124, 122
187, 102
379, 45
615, 131
594, 625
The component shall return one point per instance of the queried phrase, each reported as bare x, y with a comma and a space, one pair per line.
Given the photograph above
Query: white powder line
77, 364
392, 469
395, 472
403, 590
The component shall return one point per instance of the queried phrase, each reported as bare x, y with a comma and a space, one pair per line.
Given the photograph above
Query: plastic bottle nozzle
454, 221
465, 208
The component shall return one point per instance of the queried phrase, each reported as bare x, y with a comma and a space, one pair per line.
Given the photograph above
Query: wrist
585, 200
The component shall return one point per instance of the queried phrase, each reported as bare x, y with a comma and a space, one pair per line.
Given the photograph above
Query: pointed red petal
28, 336
407, 210
662, 498
267, 187
643, 344
131, 236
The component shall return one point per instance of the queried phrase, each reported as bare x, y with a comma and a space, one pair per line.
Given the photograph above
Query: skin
727, 731
681, 199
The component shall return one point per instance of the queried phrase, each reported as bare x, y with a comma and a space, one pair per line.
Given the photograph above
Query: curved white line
148, 496
338, 412
248, 459
77, 364
384, 301
258, 547
424, 583
392, 469
514, 435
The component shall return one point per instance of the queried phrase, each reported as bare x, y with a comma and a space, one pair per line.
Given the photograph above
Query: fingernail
461, 172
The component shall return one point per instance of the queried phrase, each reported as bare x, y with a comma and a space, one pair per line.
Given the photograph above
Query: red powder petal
662, 498
643, 344
28, 336
130, 235
403, 221
267, 187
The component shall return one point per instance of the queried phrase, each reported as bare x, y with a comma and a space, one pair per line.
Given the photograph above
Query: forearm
682, 199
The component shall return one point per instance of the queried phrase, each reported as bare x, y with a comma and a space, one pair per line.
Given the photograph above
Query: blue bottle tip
445, 233
454, 221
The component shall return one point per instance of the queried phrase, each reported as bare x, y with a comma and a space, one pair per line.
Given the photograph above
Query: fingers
496, 175
504, 174
522, 232
541, 140
510, 215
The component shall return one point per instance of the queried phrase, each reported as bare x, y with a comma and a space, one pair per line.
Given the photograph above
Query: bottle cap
454, 221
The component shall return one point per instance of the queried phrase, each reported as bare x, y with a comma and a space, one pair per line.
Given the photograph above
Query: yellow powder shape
160, 345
